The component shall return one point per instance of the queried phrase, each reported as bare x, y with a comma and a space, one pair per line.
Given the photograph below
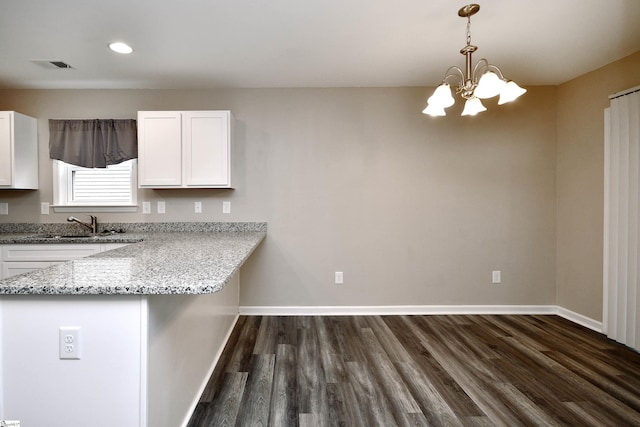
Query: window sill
97, 208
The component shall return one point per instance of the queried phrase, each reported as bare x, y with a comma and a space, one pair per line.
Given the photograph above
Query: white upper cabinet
184, 149
18, 151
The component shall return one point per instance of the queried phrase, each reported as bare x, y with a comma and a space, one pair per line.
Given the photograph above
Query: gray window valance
94, 143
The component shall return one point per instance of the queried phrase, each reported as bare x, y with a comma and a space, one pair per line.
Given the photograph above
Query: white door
621, 320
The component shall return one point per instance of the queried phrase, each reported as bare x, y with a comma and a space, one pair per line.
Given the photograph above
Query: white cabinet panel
14, 268
48, 252
18, 151
206, 135
184, 149
159, 149
6, 149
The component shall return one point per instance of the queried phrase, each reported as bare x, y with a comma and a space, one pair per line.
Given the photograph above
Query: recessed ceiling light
120, 47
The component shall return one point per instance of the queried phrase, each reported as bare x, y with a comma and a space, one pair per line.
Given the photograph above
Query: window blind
108, 185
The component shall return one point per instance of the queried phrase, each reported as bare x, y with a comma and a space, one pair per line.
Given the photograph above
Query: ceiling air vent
52, 64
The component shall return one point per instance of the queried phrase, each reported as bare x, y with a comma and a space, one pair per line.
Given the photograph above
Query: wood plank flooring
420, 371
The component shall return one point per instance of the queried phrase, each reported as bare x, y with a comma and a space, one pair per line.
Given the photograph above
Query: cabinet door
6, 145
10, 269
159, 149
48, 252
207, 145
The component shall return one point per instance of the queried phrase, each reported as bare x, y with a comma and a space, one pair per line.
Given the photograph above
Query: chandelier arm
497, 70
454, 71
483, 64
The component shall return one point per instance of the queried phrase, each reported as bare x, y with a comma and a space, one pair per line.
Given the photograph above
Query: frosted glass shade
434, 111
510, 92
472, 107
442, 97
490, 85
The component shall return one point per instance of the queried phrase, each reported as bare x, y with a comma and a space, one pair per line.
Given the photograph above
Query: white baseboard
585, 321
419, 310
394, 310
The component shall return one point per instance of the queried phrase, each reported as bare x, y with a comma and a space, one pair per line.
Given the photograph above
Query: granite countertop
160, 263
53, 238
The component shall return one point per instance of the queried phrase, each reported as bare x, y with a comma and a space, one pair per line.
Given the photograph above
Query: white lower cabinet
17, 259
10, 268
145, 358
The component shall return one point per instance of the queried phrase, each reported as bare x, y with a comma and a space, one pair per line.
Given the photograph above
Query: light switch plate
146, 207
226, 207
4, 208
197, 207
161, 207
44, 208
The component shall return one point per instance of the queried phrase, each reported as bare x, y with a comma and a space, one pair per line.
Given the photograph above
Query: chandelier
477, 82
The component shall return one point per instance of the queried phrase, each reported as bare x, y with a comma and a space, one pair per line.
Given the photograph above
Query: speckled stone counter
30, 238
160, 263
153, 315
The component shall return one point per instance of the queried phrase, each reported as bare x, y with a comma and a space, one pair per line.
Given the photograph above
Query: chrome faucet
93, 225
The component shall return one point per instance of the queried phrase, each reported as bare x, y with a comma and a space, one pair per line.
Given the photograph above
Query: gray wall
414, 210
581, 104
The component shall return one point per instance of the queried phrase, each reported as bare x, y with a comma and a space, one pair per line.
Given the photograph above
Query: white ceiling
304, 43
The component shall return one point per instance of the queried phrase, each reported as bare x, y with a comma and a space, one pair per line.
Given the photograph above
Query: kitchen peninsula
153, 317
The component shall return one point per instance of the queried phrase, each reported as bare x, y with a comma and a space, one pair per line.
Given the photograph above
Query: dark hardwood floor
420, 370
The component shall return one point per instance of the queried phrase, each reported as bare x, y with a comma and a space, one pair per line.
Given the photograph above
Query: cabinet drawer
62, 252
14, 268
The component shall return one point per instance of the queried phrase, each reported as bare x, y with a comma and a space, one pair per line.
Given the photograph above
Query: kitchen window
110, 189
94, 164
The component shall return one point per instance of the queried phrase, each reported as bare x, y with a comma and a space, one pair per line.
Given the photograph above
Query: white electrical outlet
226, 207
197, 207
496, 277
339, 278
146, 207
161, 207
70, 342
4, 208
44, 208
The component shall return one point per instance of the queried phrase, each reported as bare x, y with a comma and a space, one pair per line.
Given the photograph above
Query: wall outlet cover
496, 276
70, 342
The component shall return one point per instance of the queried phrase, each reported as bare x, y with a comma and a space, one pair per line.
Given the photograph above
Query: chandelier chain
468, 30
